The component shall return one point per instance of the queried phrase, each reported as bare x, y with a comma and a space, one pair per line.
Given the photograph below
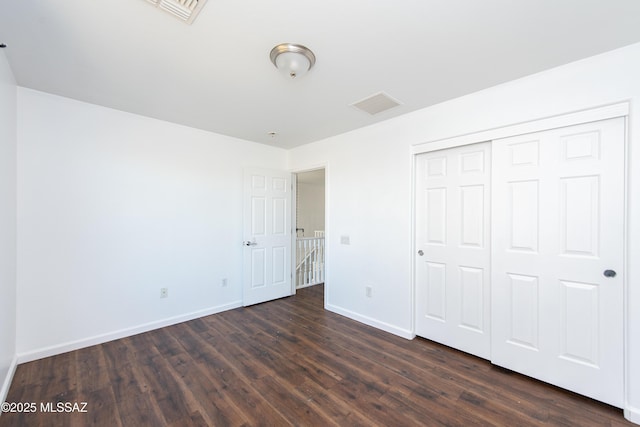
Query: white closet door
452, 247
557, 239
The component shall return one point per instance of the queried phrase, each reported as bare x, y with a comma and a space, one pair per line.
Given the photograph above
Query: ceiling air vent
377, 103
184, 10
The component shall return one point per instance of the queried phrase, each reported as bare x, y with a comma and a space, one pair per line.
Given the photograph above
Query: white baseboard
4, 391
632, 414
404, 333
99, 339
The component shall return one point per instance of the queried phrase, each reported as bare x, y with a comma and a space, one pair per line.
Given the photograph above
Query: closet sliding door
520, 254
557, 257
452, 247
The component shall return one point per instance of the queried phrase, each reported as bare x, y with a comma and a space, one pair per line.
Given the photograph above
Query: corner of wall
8, 225
392, 329
4, 391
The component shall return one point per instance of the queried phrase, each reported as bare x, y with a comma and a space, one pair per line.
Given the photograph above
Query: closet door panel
557, 226
452, 247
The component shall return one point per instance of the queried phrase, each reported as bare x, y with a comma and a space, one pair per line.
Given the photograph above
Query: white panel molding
4, 391
472, 289
611, 111
437, 167
472, 215
122, 333
403, 333
436, 199
436, 291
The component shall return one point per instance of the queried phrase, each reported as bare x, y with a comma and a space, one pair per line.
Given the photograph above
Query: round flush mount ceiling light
293, 60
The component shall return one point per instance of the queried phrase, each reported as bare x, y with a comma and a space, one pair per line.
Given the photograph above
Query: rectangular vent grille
376, 103
185, 10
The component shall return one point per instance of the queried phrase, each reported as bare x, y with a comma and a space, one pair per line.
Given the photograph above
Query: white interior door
267, 236
557, 238
452, 247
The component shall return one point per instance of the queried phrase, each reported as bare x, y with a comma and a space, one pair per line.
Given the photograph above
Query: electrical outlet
164, 292
223, 282
345, 240
368, 291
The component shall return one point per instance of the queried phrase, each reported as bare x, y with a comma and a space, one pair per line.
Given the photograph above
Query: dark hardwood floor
287, 362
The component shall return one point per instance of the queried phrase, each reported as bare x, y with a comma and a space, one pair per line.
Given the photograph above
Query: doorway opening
310, 228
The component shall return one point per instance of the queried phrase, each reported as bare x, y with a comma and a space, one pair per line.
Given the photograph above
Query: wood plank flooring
288, 362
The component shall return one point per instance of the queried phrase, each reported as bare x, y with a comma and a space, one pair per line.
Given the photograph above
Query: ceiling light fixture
293, 60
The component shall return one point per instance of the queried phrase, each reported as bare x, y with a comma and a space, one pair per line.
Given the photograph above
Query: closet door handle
420, 252
609, 273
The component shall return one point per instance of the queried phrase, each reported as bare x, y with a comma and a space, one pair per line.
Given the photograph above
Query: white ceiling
216, 74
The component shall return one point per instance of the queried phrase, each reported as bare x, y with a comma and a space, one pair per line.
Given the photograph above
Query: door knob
420, 252
249, 243
609, 273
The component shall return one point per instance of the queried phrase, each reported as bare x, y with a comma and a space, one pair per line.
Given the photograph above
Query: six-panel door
452, 247
267, 236
557, 226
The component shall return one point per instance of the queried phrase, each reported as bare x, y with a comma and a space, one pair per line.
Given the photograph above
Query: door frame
294, 199
617, 110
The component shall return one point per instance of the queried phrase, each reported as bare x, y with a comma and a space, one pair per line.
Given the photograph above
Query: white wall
111, 208
8, 92
310, 207
371, 200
